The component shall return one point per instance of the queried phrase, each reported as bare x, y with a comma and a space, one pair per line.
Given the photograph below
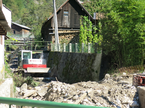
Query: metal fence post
76, 47
64, 47
96, 45
55, 46
51, 46
70, 47
82, 47
46, 46
89, 47
31, 45
59, 48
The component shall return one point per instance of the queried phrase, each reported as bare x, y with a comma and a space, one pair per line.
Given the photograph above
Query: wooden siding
74, 13
75, 10
18, 30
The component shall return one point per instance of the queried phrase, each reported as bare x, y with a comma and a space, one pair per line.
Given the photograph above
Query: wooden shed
19, 31
68, 16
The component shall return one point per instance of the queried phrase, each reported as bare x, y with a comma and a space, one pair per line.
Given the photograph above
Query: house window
65, 18
65, 13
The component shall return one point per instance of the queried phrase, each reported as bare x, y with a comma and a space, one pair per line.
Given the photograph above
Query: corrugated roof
21, 25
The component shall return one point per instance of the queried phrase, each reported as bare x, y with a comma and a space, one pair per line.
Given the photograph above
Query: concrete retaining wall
141, 92
2, 71
6, 90
74, 67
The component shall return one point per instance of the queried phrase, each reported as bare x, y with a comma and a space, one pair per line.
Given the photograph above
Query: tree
20, 7
123, 26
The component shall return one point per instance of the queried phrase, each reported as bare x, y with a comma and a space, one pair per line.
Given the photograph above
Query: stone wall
6, 90
74, 67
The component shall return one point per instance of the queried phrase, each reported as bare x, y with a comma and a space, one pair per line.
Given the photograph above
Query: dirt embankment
112, 91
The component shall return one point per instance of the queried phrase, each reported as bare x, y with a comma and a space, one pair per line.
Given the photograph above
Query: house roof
79, 5
5, 18
22, 26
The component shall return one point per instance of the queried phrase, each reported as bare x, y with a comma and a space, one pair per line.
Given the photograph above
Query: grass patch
20, 80
127, 70
29, 80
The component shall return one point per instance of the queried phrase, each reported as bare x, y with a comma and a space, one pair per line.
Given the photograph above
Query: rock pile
36, 93
110, 92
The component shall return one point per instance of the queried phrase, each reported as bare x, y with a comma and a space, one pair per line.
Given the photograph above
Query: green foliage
8, 72
128, 14
8, 43
122, 27
96, 5
88, 32
18, 79
29, 80
20, 7
90, 35
81, 38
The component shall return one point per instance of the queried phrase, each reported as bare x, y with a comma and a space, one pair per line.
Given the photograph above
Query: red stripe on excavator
25, 66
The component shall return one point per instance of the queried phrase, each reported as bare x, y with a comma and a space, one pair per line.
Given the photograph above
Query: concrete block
141, 92
6, 90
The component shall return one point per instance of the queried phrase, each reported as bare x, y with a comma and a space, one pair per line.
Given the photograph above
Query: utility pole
55, 24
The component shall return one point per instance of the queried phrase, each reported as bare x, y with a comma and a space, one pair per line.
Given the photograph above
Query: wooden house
5, 26
19, 31
68, 16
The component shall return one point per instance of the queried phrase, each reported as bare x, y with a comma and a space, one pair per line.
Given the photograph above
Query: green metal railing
76, 47
27, 45
26, 35
62, 47
40, 104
